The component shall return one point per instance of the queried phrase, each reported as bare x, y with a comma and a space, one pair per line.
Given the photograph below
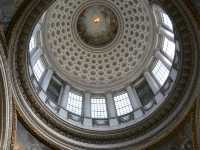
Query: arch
5, 102
50, 129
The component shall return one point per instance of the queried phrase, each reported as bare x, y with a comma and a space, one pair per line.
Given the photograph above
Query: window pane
98, 108
160, 72
74, 104
122, 104
39, 69
169, 48
32, 44
145, 93
167, 21
53, 90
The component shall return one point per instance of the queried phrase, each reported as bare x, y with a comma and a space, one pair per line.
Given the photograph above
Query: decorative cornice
54, 131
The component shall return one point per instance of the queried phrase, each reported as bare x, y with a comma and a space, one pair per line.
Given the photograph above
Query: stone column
173, 74
164, 33
112, 113
152, 83
35, 56
177, 46
44, 83
87, 110
36, 46
30, 70
154, 87
63, 101
36, 35
163, 59
39, 39
135, 102
46, 80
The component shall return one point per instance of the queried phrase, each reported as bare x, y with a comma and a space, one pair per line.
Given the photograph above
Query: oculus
97, 26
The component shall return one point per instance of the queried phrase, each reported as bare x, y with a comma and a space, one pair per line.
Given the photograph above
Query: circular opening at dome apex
97, 25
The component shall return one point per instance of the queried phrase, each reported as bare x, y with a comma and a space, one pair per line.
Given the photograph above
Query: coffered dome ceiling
103, 74
99, 45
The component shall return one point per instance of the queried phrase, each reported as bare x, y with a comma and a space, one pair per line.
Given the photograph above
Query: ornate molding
65, 136
6, 100
14, 128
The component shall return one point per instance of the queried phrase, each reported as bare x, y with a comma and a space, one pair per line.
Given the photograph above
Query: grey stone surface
180, 139
25, 141
196, 3
7, 10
